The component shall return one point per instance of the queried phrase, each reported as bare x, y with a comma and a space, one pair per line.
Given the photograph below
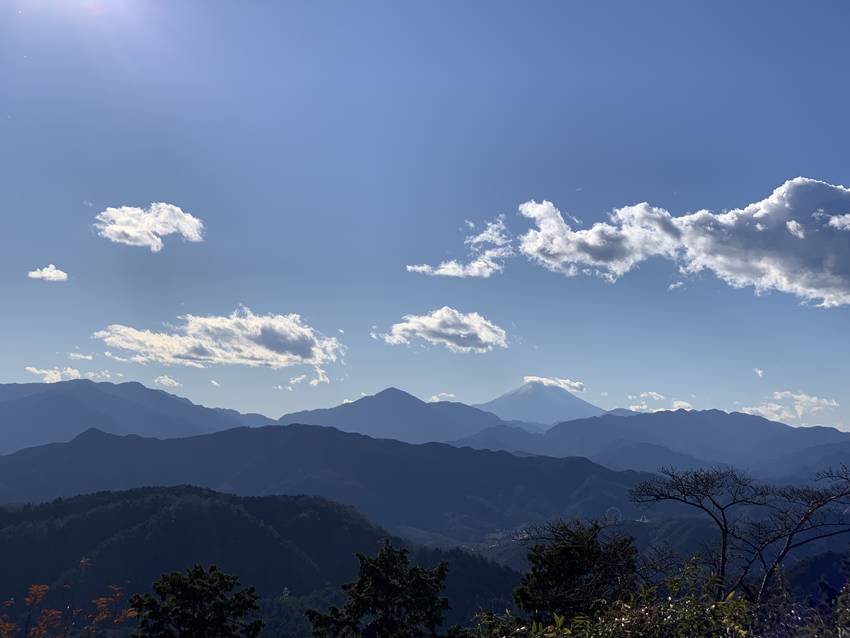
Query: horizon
275, 207
433, 399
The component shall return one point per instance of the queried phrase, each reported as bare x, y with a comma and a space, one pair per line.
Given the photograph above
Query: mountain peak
537, 402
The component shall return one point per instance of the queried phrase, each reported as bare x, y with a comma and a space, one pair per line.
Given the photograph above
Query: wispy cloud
54, 375
487, 252
565, 384
167, 382
791, 407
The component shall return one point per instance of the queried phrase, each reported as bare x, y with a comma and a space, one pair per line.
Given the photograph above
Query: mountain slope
685, 438
429, 492
38, 413
298, 544
538, 403
394, 414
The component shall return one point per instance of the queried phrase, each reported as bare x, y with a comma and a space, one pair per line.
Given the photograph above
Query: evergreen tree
201, 602
576, 570
390, 598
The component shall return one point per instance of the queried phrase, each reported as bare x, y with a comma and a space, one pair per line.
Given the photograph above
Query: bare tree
758, 525
720, 493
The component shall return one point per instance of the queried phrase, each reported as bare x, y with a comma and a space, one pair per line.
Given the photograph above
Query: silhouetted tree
576, 569
758, 525
201, 602
390, 598
718, 492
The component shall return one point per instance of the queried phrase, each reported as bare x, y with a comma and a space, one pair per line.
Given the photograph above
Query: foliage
107, 614
390, 598
577, 569
201, 602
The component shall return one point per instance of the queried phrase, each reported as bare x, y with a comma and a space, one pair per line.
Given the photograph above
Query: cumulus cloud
758, 372
48, 273
840, 222
792, 407
99, 375
655, 396
794, 241
564, 384
147, 226
167, 382
215, 383
441, 396
79, 356
488, 251
608, 249
678, 404
241, 338
457, 331
54, 375
298, 379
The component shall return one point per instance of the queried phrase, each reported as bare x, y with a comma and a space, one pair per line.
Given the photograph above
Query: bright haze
277, 207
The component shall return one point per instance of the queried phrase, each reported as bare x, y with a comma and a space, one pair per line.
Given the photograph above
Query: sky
274, 206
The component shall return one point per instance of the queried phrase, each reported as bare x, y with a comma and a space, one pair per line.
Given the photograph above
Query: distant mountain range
395, 414
536, 402
35, 414
430, 492
680, 438
38, 413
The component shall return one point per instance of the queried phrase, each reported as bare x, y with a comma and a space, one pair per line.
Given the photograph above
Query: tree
576, 569
389, 598
758, 525
201, 602
718, 492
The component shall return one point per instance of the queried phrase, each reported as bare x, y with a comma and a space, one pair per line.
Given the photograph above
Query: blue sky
325, 147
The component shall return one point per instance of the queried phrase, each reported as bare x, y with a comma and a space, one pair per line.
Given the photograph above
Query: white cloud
758, 372
215, 383
441, 396
281, 388
565, 384
48, 273
115, 357
840, 222
298, 379
146, 227
796, 228
102, 375
675, 285
793, 241
457, 331
54, 375
634, 234
792, 407
241, 338
487, 252
655, 396
167, 382
79, 356
682, 405
321, 377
